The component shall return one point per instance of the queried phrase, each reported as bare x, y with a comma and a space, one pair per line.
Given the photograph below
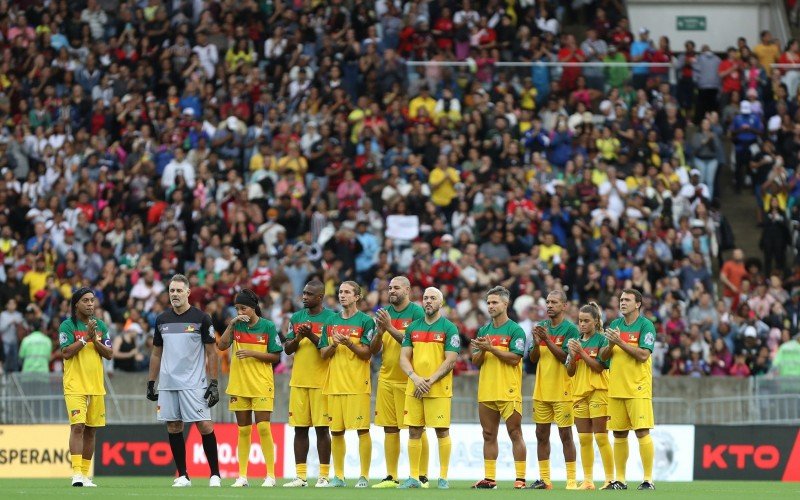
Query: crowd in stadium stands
262, 143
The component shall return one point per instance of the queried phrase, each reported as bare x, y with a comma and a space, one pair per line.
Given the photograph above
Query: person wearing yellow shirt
497, 351
590, 393
638, 181
528, 95
84, 343
357, 117
423, 100
552, 392
251, 386
549, 248
263, 159
294, 161
442, 181
631, 340
36, 278
607, 145
767, 51
599, 174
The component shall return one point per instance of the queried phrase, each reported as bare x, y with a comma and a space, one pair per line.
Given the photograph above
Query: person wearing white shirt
178, 166
615, 189
694, 187
208, 54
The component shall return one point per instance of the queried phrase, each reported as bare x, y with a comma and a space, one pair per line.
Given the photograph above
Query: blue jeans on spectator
708, 172
11, 351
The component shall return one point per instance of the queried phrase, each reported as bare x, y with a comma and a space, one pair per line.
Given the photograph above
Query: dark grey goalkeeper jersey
183, 360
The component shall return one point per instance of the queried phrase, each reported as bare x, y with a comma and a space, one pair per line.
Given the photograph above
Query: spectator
11, 323
767, 51
787, 360
706, 73
35, 351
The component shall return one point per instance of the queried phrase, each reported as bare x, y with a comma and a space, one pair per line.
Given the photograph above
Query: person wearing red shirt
622, 37
731, 275
570, 53
443, 31
730, 72
262, 277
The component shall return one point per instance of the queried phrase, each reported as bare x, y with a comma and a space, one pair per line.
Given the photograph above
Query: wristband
82, 341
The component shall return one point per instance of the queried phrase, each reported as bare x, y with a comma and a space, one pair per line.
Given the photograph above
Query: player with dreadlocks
84, 340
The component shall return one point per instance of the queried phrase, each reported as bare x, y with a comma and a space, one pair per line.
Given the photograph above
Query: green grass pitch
159, 487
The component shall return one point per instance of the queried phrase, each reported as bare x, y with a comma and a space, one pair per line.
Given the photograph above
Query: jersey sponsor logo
499, 340
350, 331
190, 329
591, 351
401, 323
74, 413
426, 337
630, 337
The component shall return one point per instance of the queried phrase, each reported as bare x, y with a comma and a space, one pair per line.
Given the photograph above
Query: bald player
391, 394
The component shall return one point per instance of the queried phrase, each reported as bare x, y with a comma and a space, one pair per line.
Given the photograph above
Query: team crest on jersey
455, 341
75, 412
649, 338
190, 329
233, 399
519, 344
438, 337
405, 323
62, 338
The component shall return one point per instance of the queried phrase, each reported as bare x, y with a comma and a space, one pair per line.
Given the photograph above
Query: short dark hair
637, 295
500, 291
180, 278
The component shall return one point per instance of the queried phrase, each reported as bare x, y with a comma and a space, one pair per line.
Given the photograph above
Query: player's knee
301, 432
515, 434
542, 433
78, 428
322, 432
205, 427
174, 427
361, 432
442, 433
489, 436
620, 434
640, 433
391, 430
565, 433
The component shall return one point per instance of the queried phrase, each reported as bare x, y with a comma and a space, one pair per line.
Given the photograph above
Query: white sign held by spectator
402, 227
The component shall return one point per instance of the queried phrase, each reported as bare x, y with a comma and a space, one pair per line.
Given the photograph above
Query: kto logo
738, 455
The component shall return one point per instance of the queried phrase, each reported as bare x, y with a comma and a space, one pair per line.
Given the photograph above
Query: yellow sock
425, 456
77, 464
365, 452
587, 455
490, 466
647, 451
519, 468
86, 464
391, 449
445, 446
302, 471
620, 457
243, 448
606, 454
571, 466
267, 446
338, 449
324, 470
414, 455
544, 471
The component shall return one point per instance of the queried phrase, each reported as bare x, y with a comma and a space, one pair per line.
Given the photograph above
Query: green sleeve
601, 344
66, 334
407, 337
419, 313
647, 336
290, 330
452, 341
572, 333
273, 343
517, 343
367, 330
481, 333
323, 339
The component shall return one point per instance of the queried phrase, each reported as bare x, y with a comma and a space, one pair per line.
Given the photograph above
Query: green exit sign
691, 23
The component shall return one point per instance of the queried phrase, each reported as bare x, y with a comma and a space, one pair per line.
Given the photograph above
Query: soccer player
83, 340
498, 351
307, 405
185, 360
391, 393
631, 339
590, 393
552, 392
345, 342
251, 386
430, 349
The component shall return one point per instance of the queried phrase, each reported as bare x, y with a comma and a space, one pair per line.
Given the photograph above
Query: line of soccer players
586, 376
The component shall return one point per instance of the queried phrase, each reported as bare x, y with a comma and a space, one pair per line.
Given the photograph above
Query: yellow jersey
83, 373
251, 377
628, 378
499, 381
347, 373
552, 381
430, 343
309, 369
390, 364
585, 381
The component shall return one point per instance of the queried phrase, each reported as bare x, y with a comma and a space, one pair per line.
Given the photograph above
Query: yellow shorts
242, 403
593, 405
630, 414
308, 407
348, 412
547, 412
88, 410
428, 412
504, 408
390, 403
